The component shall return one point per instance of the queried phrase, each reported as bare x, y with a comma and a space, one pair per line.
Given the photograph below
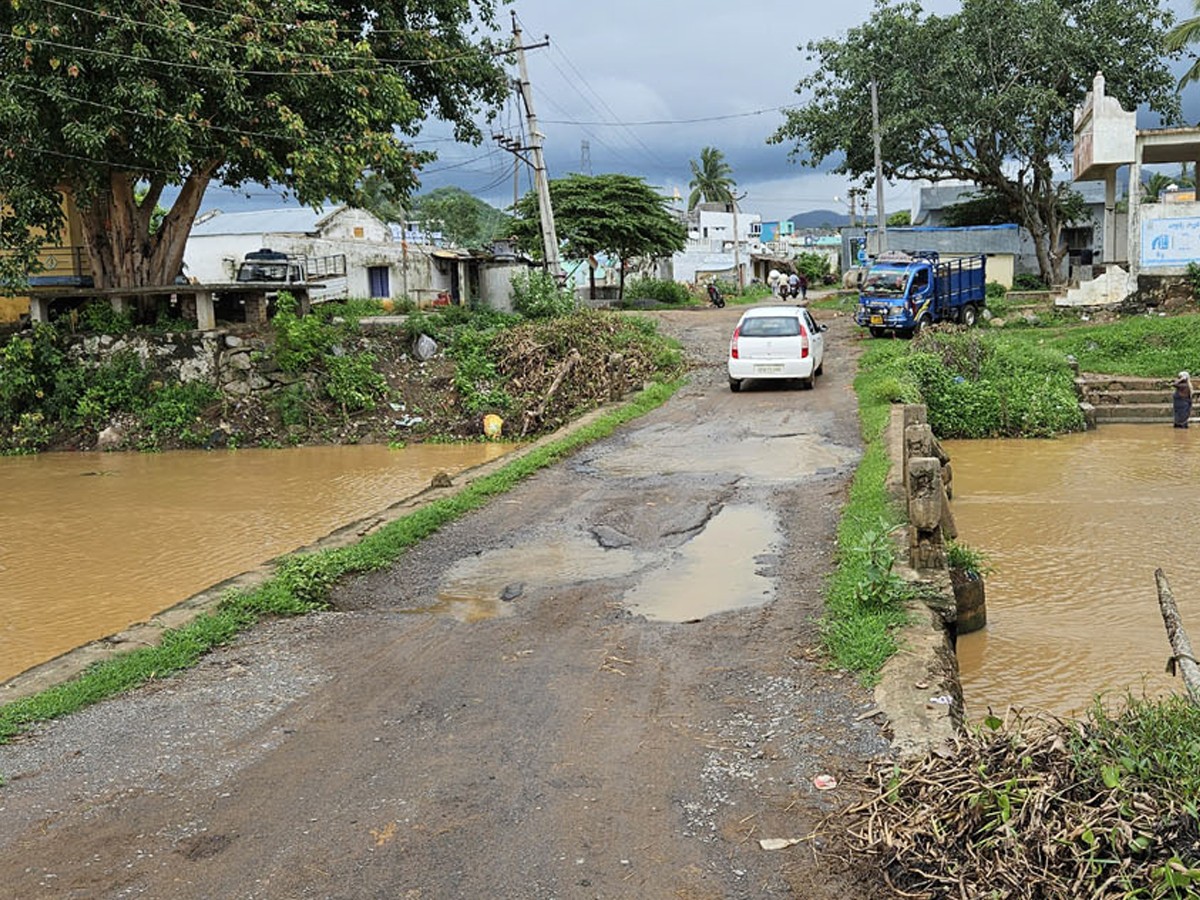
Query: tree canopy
615, 214
460, 217
986, 94
305, 95
712, 178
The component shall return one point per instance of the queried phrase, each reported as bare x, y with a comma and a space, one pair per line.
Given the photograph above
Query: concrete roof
285, 220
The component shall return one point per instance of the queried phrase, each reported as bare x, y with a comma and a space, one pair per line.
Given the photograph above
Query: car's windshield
885, 281
770, 326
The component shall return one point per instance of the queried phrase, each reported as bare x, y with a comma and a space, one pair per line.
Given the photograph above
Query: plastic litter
778, 843
492, 426
825, 782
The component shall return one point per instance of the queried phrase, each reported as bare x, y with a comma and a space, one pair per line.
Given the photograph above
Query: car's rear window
771, 326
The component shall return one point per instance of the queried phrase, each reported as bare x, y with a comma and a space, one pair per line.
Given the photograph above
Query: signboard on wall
1170, 243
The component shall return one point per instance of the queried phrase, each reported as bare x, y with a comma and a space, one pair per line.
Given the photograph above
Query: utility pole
549, 238
585, 157
737, 246
880, 217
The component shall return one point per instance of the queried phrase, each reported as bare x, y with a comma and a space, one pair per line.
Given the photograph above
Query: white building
713, 249
376, 264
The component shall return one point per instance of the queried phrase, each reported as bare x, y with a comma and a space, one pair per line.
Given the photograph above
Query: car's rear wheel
807, 383
735, 385
820, 369
969, 316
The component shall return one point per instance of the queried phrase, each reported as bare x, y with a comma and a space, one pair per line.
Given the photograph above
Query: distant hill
820, 218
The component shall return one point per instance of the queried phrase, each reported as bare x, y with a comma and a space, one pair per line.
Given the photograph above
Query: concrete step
1113, 398
1135, 412
1091, 382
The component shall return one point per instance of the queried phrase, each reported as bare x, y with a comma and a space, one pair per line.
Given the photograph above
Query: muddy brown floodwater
92, 542
1074, 529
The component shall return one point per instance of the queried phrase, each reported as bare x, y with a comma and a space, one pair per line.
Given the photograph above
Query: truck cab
903, 292
270, 265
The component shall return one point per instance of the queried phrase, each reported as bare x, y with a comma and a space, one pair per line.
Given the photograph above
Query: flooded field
1074, 529
91, 543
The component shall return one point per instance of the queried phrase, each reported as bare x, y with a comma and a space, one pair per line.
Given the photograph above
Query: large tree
615, 214
460, 217
712, 178
985, 94
130, 99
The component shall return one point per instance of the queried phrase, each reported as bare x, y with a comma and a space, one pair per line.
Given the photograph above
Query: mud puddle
717, 571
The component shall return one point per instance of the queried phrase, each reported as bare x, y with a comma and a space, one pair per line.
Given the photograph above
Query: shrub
174, 412
353, 382
1193, 279
537, 295
815, 267
119, 384
995, 291
28, 366
671, 293
300, 341
99, 316
1027, 282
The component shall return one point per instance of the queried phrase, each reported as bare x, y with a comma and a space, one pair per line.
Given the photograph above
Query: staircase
1111, 399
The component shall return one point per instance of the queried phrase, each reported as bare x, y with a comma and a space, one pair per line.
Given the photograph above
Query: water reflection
1074, 529
90, 543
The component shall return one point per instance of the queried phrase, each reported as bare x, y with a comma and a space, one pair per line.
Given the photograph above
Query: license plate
768, 370
876, 320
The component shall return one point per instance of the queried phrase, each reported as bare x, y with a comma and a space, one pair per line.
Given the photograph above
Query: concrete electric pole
545, 211
880, 215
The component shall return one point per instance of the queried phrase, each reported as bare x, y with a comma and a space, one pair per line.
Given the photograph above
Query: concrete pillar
1135, 214
39, 309
926, 501
206, 314
256, 309
1110, 216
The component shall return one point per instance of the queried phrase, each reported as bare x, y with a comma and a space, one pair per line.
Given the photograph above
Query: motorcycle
714, 297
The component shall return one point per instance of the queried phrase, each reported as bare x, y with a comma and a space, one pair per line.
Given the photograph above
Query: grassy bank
1108, 806
302, 582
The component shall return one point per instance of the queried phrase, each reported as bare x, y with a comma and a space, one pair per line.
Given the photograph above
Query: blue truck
901, 293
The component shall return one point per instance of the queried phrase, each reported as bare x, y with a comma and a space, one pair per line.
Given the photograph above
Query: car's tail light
803, 344
733, 354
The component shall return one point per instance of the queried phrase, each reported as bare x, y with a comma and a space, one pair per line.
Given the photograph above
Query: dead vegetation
1044, 808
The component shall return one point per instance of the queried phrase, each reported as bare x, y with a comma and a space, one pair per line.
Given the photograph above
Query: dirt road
602, 685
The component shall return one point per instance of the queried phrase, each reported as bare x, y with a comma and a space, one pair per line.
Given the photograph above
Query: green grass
302, 582
859, 635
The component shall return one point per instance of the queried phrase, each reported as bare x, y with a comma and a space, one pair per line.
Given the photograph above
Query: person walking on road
803, 279
1182, 400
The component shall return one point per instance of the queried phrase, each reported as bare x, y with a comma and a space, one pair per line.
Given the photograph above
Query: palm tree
1186, 32
711, 178
1153, 187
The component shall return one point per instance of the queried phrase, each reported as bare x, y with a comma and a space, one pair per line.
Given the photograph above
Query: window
771, 326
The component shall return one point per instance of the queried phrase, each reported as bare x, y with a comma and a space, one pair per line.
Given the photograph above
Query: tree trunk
116, 231
621, 289
592, 280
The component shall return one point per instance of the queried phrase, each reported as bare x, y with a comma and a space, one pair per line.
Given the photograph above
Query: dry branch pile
1038, 808
556, 369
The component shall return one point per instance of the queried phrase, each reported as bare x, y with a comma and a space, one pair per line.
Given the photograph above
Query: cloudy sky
645, 84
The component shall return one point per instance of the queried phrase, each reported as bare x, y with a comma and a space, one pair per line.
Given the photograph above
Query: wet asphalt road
604, 684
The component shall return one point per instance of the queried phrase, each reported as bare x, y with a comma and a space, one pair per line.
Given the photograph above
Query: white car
776, 342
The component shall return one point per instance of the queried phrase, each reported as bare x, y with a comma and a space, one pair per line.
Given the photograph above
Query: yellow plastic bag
492, 426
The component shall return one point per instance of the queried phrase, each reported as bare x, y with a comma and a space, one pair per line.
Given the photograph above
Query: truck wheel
969, 316
876, 331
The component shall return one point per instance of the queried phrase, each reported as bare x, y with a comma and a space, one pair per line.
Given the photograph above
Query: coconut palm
1186, 32
711, 178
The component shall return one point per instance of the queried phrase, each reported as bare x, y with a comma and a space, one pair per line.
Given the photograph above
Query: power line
745, 115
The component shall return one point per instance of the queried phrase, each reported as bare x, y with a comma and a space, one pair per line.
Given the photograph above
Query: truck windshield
263, 272
885, 281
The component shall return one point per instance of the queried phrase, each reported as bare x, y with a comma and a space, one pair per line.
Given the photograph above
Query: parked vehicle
325, 275
902, 293
714, 296
774, 342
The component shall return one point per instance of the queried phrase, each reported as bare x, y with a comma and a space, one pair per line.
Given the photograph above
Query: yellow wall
66, 256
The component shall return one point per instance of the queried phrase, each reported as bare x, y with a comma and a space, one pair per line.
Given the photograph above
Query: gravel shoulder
426, 738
